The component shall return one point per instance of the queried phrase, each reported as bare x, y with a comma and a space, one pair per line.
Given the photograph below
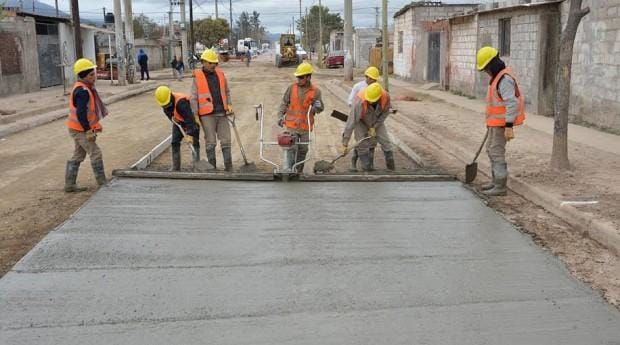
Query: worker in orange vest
85, 112
210, 99
293, 111
505, 109
370, 109
176, 107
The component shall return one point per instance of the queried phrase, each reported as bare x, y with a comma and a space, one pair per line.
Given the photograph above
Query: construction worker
293, 110
371, 76
176, 107
85, 112
210, 99
370, 109
505, 109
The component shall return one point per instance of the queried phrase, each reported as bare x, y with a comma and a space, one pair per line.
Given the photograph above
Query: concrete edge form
34, 121
145, 161
187, 175
377, 178
602, 232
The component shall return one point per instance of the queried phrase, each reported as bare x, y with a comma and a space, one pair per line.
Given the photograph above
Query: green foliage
144, 27
330, 21
249, 25
210, 31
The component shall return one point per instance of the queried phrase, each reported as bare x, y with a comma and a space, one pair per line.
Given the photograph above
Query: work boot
300, 157
501, 178
365, 161
353, 167
371, 158
176, 158
227, 158
71, 172
389, 160
211, 156
99, 172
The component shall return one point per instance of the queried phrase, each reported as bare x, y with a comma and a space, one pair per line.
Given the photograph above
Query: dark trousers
144, 69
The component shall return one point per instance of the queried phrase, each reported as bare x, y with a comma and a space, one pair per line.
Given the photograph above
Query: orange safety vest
382, 101
91, 115
178, 97
296, 113
205, 101
496, 110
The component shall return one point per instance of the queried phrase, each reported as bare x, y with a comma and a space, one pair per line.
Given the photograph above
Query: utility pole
120, 44
183, 34
77, 34
384, 47
57, 8
377, 17
321, 34
131, 66
307, 46
170, 33
230, 42
216, 10
293, 26
348, 39
192, 44
301, 36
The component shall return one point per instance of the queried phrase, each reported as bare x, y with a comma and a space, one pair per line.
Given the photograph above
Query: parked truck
286, 53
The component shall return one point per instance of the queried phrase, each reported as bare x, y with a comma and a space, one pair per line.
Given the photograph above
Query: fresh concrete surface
153, 261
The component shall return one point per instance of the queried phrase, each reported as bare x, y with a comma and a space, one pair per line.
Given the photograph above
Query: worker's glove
229, 110
509, 134
91, 136
281, 122
188, 139
316, 106
372, 132
344, 149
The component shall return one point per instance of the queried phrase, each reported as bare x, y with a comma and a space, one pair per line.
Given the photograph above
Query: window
504, 37
400, 42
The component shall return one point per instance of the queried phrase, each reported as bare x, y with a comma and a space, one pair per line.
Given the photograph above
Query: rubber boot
500, 180
99, 172
211, 156
300, 157
71, 172
490, 185
176, 158
353, 167
371, 158
389, 160
226, 152
365, 161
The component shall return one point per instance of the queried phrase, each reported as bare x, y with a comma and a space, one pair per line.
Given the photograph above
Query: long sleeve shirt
216, 94
355, 90
375, 117
81, 99
507, 90
183, 107
301, 94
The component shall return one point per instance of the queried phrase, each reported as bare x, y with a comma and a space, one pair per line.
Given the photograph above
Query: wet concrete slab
154, 261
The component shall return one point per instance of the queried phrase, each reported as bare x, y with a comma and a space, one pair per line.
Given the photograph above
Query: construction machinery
286, 52
289, 143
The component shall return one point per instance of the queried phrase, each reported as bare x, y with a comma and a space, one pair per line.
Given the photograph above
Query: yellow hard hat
372, 72
373, 92
163, 96
304, 68
209, 56
82, 65
484, 56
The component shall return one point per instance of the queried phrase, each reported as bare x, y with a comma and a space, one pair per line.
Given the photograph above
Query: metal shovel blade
323, 166
248, 167
471, 171
202, 166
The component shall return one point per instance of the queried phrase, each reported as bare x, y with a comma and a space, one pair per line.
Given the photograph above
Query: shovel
200, 165
471, 170
323, 166
248, 167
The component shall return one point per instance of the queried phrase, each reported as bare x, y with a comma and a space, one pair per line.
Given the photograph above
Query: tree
210, 31
559, 153
144, 27
249, 26
330, 21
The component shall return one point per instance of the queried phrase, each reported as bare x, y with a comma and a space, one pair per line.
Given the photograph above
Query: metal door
434, 44
48, 47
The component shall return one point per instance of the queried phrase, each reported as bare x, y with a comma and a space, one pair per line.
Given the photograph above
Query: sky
276, 15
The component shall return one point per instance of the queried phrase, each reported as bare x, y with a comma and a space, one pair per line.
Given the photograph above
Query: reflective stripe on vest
496, 109
91, 115
382, 101
179, 97
205, 101
297, 111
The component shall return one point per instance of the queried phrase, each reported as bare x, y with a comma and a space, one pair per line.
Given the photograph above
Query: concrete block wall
404, 60
462, 55
19, 33
595, 83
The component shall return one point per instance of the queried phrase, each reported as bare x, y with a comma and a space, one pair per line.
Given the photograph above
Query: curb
602, 232
34, 121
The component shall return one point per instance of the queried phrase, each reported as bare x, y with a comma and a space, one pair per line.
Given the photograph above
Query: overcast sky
276, 15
